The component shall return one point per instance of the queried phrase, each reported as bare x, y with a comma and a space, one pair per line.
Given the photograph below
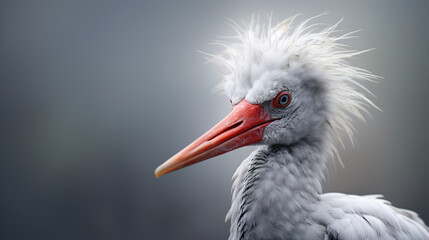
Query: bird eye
282, 100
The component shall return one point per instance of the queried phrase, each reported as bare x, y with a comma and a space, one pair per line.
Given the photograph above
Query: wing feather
367, 217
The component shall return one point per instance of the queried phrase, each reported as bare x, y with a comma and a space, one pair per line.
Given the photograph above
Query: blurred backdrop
94, 95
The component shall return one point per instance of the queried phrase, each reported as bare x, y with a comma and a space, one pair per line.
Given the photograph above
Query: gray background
95, 94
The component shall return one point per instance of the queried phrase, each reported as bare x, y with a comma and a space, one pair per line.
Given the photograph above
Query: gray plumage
277, 194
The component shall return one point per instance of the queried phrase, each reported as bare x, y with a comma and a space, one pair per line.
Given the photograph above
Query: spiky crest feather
322, 49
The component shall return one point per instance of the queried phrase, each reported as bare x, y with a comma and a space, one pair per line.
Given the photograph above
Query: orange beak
243, 126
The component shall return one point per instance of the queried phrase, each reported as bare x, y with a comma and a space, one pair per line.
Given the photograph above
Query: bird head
286, 84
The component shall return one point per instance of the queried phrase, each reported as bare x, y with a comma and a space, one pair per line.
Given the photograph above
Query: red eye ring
282, 100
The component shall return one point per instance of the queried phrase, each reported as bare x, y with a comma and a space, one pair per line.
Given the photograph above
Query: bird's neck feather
275, 188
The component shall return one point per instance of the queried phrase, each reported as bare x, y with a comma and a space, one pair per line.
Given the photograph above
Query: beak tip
161, 170
158, 172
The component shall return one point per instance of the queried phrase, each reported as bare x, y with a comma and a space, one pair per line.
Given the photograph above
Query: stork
294, 95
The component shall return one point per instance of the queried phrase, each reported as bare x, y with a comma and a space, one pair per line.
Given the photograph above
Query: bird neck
275, 189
